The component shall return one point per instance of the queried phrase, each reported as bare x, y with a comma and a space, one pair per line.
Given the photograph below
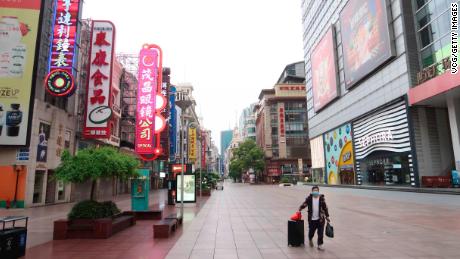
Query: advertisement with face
366, 38
324, 71
189, 188
19, 25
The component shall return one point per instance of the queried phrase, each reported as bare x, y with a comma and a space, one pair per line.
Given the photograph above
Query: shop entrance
376, 174
347, 176
50, 188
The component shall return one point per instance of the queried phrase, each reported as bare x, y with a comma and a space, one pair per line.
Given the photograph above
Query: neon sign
59, 81
98, 91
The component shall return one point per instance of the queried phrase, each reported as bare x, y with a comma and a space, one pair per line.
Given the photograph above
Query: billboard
203, 149
189, 188
366, 40
59, 81
324, 71
98, 94
19, 27
192, 144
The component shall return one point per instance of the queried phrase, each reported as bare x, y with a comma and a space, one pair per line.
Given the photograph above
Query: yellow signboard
192, 144
19, 25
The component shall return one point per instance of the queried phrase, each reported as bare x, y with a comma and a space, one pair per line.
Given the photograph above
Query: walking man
317, 215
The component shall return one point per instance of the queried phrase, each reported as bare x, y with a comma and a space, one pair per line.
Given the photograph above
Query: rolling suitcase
296, 236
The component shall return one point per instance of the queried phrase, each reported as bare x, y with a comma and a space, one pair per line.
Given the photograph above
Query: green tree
248, 155
95, 163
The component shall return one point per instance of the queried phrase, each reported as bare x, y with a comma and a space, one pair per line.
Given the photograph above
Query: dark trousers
313, 226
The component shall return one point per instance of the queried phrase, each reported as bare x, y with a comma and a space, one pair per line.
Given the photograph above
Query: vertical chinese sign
281, 119
98, 91
146, 100
203, 149
59, 81
192, 144
19, 27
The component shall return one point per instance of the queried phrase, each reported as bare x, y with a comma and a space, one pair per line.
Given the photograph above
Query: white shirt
315, 205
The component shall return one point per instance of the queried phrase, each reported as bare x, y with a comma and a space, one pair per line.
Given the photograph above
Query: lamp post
184, 102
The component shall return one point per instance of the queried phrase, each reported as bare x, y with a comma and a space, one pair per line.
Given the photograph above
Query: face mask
315, 194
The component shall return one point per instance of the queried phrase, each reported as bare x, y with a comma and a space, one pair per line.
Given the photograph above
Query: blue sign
172, 124
23, 154
455, 178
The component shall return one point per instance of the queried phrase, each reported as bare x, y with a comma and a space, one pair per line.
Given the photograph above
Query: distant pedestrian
318, 214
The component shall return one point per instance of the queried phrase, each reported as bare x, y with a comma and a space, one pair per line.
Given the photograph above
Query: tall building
281, 126
383, 107
35, 127
247, 124
225, 139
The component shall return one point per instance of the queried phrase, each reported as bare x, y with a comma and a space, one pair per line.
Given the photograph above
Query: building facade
364, 127
282, 131
247, 123
26, 171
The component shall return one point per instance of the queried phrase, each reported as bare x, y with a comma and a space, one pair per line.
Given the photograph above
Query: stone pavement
247, 221
136, 242
40, 229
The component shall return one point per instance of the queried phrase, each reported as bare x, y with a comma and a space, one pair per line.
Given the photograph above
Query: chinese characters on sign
98, 110
59, 81
192, 144
281, 118
203, 149
146, 100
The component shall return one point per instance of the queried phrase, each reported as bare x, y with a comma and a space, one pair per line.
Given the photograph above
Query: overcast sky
228, 49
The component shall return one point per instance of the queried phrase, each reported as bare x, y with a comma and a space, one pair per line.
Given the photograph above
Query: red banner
98, 94
146, 100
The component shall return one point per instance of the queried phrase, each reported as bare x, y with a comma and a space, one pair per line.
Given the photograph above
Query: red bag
296, 216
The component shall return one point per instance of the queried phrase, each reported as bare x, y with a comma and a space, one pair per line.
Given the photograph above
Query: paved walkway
136, 242
246, 221
40, 229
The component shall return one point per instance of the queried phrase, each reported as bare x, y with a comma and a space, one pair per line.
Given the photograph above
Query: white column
453, 107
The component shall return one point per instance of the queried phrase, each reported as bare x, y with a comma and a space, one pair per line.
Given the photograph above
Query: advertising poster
42, 147
192, 144
98, 105
189, 188
338, 149
366, 38
324, 71
19, 25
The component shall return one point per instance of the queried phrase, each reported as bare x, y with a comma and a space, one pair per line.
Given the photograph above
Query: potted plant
90, 218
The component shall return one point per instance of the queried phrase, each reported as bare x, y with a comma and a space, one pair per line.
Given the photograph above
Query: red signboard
281, 119
59, 81
98, 94
324, 71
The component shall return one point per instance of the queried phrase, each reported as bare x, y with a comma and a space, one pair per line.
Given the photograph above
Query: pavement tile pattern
247, 221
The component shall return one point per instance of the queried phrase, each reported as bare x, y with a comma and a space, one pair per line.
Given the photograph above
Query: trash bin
12, 237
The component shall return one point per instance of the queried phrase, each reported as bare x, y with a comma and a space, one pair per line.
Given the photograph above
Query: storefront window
38, 186
61, 190
386, 168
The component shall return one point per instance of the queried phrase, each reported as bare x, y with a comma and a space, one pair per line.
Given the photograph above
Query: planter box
91, 228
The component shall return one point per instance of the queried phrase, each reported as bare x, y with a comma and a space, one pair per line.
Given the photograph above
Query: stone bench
178, 218
164, 228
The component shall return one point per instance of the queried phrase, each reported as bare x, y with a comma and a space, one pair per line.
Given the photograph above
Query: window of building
433, 30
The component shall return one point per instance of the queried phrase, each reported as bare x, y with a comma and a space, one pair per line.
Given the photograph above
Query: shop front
382, 147
273, 170
317, 160
339, 156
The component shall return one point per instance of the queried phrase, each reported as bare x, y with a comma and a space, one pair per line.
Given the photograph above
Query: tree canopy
248, 155
94, 163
